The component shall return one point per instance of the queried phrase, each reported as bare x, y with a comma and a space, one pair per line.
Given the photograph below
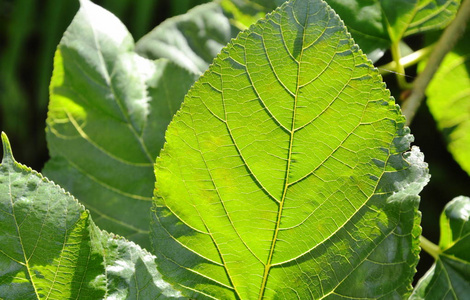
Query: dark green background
30, 31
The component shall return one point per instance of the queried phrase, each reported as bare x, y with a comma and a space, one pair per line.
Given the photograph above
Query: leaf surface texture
449, 277
108, 112
51, 248
376, 24
448, 98
285, 173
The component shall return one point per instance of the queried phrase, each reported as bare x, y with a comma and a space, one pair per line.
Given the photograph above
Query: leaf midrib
268, 264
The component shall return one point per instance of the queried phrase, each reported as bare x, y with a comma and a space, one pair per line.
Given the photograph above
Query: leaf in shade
191, 40
286, 174
108, 112
449, 277
376, 24
51, 248
432, 15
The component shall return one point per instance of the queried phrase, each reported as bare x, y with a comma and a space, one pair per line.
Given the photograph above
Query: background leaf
193, 40
29, 34
51, 249
108, 112
449, 277
432, 15
376, 24
285, 172
448, 99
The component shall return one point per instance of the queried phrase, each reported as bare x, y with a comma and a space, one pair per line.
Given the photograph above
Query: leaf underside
51, 249
285, 175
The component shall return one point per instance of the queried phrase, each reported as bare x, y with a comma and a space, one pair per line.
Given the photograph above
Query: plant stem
406, 61
428, 246
446, 42
400, 69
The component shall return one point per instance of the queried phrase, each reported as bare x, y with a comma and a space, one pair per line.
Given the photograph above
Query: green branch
428, 246
406, 61
446, 42
400, 69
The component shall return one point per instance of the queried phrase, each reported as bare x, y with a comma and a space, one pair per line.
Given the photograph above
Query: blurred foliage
29, 33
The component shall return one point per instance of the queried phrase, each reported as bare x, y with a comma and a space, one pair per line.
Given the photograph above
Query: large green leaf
51, 249
375, 24
108, 112
449, 277
448, 98
285, 173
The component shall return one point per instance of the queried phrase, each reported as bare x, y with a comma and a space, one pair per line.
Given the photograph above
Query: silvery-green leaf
108, 111
51, 249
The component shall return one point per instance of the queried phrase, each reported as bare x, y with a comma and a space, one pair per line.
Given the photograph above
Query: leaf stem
400, 69
406, 61
446, 42
428, 246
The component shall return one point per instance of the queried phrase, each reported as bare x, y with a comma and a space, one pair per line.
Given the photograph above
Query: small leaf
432, 15
247, 12
397, 15
51, 249
449, 277
285, 173
108, 112
448, 98
376, 24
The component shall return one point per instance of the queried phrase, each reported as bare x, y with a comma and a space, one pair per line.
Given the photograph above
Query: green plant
286, 173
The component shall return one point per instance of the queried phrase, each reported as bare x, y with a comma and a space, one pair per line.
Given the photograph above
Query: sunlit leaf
285, 173
448, 99
243, 13
108, 112
51, 249
449, 277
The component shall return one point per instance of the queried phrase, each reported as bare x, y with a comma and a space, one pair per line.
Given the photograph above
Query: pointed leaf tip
7, 153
